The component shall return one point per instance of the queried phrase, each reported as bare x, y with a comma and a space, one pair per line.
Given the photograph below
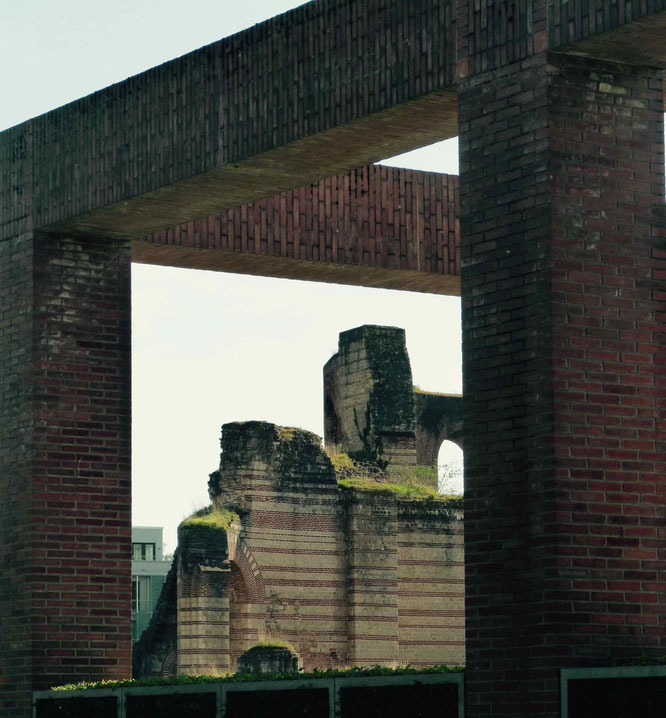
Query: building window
143, 551
140, 593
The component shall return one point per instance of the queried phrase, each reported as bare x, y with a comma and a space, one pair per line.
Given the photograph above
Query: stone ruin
348, 558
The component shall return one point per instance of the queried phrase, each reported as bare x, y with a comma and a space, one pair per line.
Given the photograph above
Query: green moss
402, 491
286, 433
211, 518
409, 483
341, 462
243, 677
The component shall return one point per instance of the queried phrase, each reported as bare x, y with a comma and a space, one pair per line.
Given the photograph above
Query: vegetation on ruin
358, 672
355, 672
211, 518
287, 433
420, 390
409, 483
273, 643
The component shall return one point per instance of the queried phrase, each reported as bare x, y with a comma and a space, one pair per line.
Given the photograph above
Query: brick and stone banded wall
295, 540
342, 229
431, 583
328, 559
328, 86
289, 544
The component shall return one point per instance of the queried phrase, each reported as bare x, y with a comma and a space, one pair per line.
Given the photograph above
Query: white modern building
149, 570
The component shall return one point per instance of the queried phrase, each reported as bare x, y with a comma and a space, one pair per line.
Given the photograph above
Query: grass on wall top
245, 677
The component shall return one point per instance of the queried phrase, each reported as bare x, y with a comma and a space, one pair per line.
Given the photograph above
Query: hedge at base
390, 696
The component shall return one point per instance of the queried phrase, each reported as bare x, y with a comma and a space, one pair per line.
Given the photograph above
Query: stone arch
242, 558
438, 419
246, 593
170, 664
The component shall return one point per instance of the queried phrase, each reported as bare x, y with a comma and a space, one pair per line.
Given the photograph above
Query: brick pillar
64, 464
203, 600
561, 167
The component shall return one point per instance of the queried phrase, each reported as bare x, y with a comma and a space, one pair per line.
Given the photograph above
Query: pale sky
208, 347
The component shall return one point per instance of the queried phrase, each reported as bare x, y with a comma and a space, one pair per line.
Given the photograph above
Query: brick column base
65, 521
561, 166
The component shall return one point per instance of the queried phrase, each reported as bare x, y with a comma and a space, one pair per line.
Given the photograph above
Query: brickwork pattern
336, 569
494, 34
203, 635
16, 331
561, 163
329, 86
371, 531
376, 217
82, 425
626, 30
607, 347
373, 73
66, 451
431, 586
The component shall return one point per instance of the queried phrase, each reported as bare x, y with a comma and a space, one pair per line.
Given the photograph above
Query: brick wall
561, 164
374, 226
347, 577
329, 86
16, 331
65, 451
371, 547
626, 30
431, 585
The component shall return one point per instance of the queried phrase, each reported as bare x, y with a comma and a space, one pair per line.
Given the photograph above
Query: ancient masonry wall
368, 396
346, 577
438, 418
431, 585
371, 409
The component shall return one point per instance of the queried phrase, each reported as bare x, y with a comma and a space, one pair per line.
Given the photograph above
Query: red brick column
563, 345
64, 464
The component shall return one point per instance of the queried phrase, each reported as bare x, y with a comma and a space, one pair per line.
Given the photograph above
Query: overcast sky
208, 347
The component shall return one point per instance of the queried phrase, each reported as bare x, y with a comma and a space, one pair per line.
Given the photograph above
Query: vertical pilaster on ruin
371, 532
203, 635
203, 602
561, 167
64, 463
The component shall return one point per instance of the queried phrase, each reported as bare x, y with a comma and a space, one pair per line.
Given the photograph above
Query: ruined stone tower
372, 409
341, 568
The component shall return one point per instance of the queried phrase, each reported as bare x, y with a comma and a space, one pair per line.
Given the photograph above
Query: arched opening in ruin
450, 468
